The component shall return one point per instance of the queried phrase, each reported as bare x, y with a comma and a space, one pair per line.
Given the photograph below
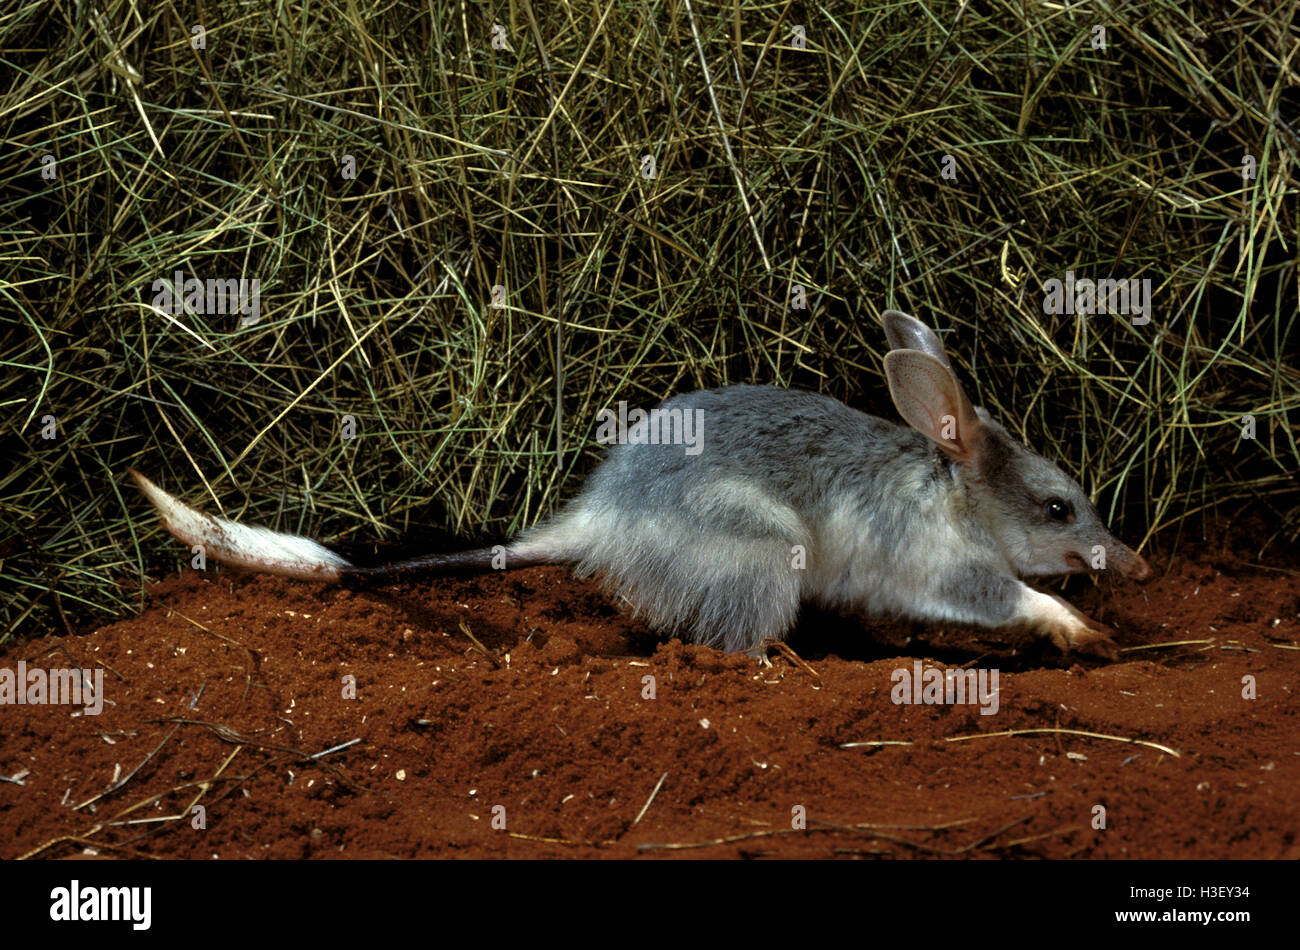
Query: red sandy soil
521, 695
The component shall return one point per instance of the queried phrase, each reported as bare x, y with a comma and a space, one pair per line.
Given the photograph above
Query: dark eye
1057, 510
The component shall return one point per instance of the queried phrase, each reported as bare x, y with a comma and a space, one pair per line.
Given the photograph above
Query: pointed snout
1128, 562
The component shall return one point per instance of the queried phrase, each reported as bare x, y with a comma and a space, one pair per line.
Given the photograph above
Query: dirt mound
523, 714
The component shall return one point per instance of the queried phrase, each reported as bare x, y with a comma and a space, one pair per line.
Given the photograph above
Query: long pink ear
932, 402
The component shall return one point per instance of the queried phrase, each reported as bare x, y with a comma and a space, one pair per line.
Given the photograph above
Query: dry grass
521, 167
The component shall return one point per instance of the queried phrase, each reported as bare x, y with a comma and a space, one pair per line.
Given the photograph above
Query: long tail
271, 552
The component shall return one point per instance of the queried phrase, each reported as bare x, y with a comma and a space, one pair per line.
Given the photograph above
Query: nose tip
1139, 570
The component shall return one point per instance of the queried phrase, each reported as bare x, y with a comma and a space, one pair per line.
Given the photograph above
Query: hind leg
694, 577
733, 594
749, 592
713, 561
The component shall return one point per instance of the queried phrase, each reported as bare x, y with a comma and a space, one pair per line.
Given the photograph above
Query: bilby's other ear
933, 403
909, 333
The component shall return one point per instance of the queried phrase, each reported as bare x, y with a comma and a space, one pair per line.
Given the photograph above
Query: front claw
1068, 628
1088, 641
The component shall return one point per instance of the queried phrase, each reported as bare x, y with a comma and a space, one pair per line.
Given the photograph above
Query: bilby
792, 498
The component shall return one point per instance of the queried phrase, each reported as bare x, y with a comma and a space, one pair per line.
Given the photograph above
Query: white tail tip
258, 549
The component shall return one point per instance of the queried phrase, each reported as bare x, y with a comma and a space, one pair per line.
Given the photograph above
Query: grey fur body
709, 546
797, 498
706, 546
